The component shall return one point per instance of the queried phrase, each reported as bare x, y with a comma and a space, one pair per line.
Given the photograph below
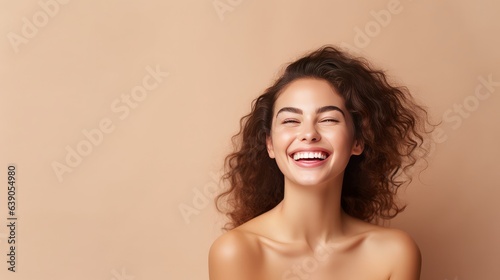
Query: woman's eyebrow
290, 109
318, 111
329, 108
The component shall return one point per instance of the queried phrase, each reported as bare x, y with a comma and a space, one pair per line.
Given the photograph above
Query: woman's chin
312, 183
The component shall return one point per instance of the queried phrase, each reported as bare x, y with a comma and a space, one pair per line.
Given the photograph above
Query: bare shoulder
234, 243
394, 240
400, 251
234, 254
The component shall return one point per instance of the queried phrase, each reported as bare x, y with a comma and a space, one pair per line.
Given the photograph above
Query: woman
318, 163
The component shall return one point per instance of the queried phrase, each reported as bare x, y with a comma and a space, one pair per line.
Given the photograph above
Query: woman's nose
309, 134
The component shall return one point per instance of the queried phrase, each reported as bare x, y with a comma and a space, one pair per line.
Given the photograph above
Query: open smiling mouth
309, 156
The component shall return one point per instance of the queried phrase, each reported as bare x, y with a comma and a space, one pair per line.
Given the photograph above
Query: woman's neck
312, 213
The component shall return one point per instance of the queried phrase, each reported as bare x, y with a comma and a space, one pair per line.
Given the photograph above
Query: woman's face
312, 134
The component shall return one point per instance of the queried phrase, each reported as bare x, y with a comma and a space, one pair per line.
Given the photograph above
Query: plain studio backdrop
117, 116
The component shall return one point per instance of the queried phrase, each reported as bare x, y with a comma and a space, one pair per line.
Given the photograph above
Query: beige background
117, 214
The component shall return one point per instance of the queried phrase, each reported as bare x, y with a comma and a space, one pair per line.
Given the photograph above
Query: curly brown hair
387, 120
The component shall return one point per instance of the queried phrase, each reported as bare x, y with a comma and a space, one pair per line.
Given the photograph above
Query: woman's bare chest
321, 263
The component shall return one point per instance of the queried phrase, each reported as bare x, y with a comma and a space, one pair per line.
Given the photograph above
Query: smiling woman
317, 164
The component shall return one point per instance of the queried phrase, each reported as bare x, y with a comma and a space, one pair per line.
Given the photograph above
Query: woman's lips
309, 163
309, 159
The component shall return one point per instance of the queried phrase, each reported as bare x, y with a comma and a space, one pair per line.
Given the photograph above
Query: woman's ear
269, 145
358, 147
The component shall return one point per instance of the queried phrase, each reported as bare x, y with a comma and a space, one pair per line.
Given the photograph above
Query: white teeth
306, 155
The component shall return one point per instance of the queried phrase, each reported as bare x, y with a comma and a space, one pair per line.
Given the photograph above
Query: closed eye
330, 120
290, 121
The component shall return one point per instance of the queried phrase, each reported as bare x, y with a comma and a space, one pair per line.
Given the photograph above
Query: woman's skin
307, 235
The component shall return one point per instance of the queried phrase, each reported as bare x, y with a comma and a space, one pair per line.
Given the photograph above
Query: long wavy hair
387, 120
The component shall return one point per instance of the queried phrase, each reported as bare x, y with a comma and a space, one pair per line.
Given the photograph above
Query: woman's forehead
309, 93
